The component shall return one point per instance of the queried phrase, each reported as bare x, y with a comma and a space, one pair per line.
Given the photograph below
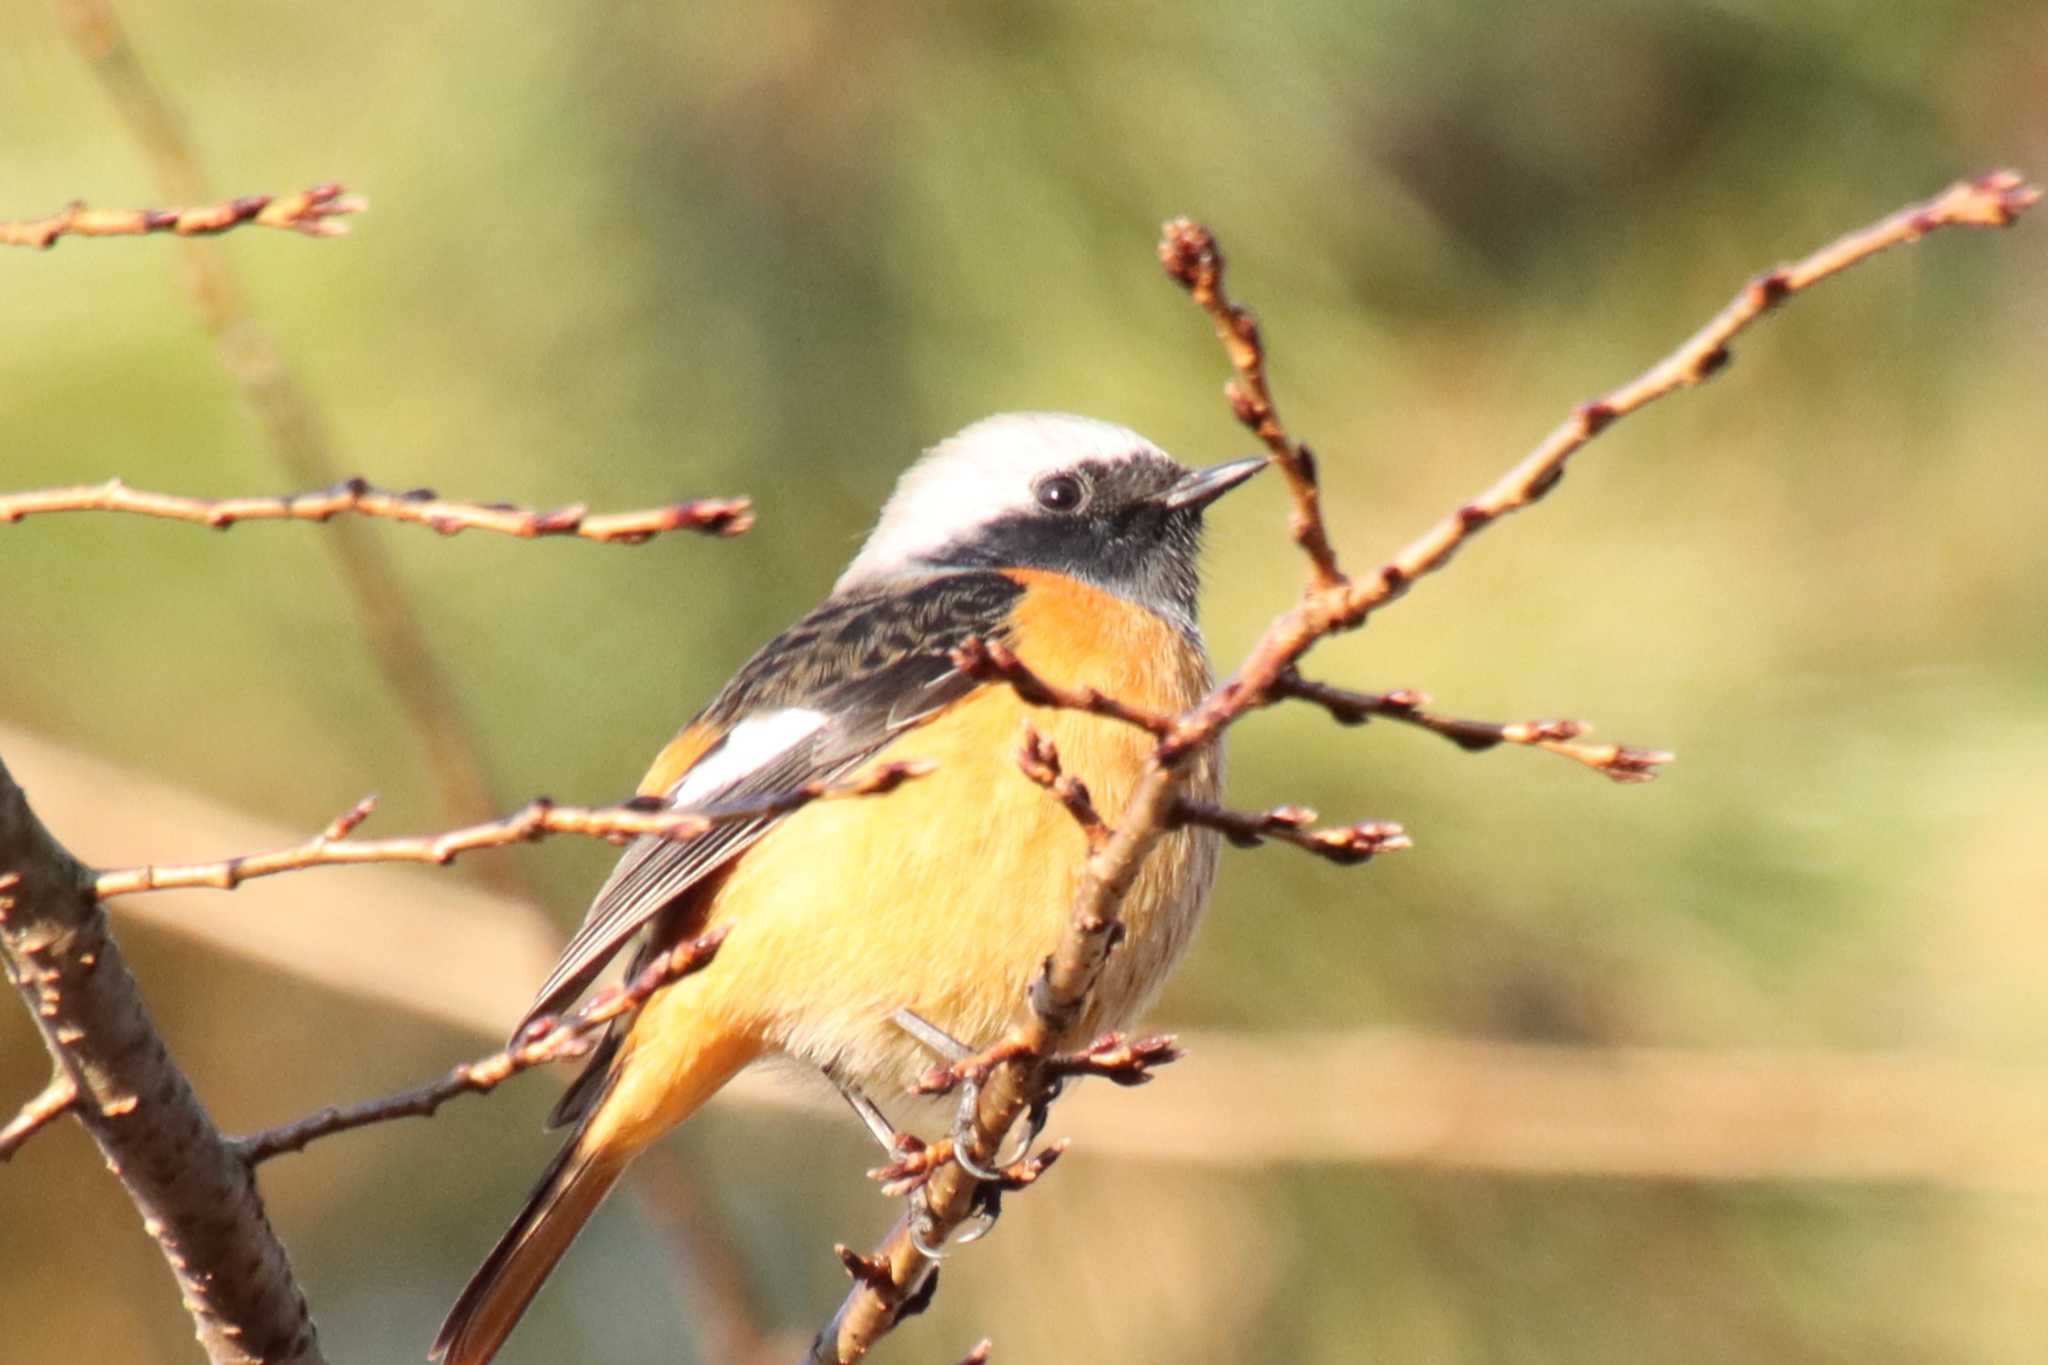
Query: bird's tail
575, 1182
684, 1056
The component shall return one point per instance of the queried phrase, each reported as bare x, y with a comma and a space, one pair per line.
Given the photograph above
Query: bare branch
52, 1103
197, 1199
312, 212
1619, 762
539, 818
1330, 603
1346, 845
994, 661
546, 1040
420, 506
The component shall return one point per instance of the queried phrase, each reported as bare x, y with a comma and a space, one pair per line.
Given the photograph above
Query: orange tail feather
496, 1296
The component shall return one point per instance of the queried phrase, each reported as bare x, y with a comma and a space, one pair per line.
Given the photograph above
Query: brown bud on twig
1189, 253
418, 506
870, 1272
1116, 1059
941, 1080
1345, 845
312, 212
915, 1161
1406, 705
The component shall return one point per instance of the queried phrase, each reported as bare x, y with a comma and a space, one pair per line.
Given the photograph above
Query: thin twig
312, 212
1190, 254
641, 817
1345, 845
994, 661
50, 1104
419, 506
1040, 760
900, 1271
1617, 761
1112, 1057
546, 1040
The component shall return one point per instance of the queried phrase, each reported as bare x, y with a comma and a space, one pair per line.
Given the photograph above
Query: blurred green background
621, 252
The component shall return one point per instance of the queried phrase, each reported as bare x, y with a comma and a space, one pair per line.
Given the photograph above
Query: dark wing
817, 702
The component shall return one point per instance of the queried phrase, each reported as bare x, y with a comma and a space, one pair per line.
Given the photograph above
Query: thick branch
546, 1040
898, 1272
718, 516
1617, 761
536, 820
311, 212
197, 1198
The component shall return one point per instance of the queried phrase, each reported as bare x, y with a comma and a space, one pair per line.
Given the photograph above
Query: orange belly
944, 897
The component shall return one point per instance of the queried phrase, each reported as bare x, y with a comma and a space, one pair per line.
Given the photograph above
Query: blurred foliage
620, 252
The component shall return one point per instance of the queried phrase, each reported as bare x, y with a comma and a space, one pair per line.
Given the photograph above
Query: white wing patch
749, 746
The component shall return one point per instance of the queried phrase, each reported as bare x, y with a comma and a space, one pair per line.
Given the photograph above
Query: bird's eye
1058, 492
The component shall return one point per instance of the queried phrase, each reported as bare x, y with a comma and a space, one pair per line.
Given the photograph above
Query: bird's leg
931, 1035
956, 1052
888, 1134
900, 1146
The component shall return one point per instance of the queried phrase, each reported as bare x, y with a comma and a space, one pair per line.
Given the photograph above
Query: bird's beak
1200, 487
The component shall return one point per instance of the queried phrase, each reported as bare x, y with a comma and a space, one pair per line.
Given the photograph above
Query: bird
1074, 542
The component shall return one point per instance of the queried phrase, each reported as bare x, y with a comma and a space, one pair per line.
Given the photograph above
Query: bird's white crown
979, 475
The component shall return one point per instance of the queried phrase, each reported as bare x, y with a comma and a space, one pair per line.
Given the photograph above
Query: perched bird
1072, 541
